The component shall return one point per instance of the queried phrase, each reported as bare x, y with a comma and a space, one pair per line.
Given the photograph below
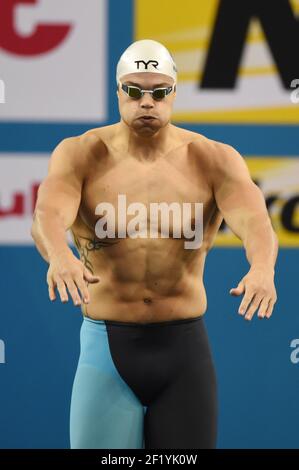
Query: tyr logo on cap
155, 63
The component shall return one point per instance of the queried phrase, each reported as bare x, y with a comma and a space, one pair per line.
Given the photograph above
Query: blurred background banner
278, 178
20, 177
233, 66
238, 83
53, 59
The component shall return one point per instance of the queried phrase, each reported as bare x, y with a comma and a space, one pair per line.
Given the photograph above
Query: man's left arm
243, 207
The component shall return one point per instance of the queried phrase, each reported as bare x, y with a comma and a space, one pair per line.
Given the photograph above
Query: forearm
39, 245
49, 235
261, 243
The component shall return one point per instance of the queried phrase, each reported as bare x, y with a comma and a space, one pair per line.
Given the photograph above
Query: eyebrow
154, 86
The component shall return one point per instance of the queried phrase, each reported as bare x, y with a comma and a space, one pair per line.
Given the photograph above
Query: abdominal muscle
147, 306
145, 281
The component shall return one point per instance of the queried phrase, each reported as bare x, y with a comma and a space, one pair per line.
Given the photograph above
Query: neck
145, 146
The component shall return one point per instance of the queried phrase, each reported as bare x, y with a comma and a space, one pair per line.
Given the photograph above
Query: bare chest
126, 190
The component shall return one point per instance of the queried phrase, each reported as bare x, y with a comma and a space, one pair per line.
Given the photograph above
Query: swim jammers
144, 385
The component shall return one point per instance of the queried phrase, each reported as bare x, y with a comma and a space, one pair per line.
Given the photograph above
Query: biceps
240, 203
59, 196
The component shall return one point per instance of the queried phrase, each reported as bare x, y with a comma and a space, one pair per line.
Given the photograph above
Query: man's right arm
58, 200
56, 209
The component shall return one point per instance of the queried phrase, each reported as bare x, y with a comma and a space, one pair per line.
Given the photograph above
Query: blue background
257, 382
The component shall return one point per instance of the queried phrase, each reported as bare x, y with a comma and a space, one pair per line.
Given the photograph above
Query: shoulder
219, 156
216, 150
93, 141
79, 151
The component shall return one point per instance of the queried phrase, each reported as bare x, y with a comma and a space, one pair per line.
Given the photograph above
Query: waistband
149, 324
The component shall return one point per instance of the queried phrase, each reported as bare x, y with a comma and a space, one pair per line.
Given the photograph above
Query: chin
147, 130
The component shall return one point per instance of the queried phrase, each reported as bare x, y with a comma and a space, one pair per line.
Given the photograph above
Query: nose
147, 101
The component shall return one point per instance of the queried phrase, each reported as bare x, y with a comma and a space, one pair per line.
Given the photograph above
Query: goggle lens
136, 93
159, 93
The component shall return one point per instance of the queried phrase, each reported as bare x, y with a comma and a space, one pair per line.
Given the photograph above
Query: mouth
146, 118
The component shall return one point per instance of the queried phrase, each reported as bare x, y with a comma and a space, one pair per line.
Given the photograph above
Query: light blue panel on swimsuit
105, 412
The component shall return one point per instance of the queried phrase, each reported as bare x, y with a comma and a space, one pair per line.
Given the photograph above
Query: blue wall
258, 384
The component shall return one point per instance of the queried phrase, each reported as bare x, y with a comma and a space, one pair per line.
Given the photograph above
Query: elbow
35, 223
33, 231
276, 240
34, 226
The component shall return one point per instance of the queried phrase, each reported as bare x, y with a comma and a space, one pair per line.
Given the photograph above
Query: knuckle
64, 272
81, 284
252, 286
73, 291
252, 309
61, 286
81, 290
78, 277
74, 271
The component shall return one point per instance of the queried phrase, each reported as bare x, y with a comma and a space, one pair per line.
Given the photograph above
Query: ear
174, 92
117, 89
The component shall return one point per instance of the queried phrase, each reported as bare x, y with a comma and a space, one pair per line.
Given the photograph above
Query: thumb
239, 289
89, 277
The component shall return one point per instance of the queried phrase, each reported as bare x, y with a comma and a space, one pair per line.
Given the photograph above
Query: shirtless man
145, 375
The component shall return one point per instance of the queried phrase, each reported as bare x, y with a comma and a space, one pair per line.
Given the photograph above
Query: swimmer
145, 376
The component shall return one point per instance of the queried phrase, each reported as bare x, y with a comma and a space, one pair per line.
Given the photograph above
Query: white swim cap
146, 55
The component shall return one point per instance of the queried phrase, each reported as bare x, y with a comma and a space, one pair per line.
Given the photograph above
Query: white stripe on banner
20, 177
54, 61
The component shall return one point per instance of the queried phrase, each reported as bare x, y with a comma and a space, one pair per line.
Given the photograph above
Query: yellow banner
186, 29
278, 178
